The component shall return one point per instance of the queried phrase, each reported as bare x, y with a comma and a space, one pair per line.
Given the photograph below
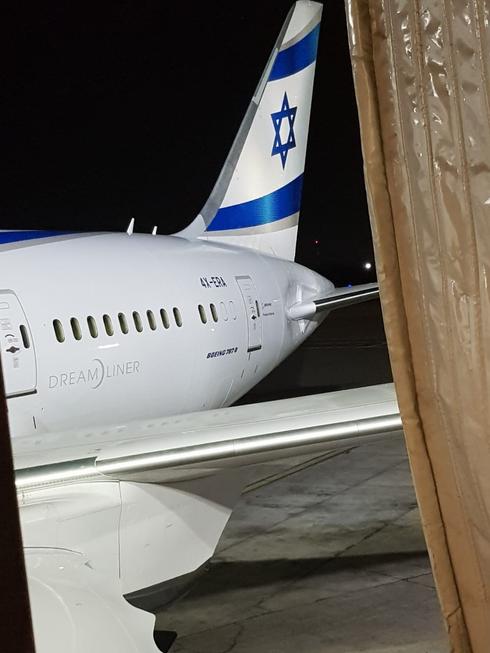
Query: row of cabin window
225, 312
138, 322
123, 324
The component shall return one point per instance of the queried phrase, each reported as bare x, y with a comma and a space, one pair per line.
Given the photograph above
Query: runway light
367, 266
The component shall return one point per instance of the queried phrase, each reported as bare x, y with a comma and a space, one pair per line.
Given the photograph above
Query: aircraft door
254, 322
16, 346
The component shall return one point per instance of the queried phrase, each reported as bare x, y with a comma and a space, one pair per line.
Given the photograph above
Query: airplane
122, 355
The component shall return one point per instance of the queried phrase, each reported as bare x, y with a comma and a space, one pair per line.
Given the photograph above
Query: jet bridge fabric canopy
421, 72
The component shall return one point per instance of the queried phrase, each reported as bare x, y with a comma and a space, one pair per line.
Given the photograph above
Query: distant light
317, 242
367, 266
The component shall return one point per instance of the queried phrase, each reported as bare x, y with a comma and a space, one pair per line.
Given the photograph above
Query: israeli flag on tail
256, 200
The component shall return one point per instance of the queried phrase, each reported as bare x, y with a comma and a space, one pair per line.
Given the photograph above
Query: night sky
130, 110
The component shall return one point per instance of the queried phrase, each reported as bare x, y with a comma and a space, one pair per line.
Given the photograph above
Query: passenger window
123, 323
109, 329
231, 306
214, 312
92, 326
177, 317
25, 336
151, 320
223, 311
164, 316
137, 321
75, 327
58, 330
202, 314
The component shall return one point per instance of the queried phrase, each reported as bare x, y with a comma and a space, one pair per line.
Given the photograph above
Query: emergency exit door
254, 322
16, 346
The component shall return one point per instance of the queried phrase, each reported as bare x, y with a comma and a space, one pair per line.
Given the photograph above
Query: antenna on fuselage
130, 228
154, 231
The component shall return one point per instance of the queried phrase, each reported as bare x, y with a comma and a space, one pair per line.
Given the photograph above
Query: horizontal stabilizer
339, 298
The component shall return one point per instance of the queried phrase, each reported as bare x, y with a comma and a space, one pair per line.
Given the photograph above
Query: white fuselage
230, 301
90, 335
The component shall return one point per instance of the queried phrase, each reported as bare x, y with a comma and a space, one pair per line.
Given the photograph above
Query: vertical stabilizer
256, 200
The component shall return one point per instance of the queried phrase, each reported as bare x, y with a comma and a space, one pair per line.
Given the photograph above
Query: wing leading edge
200, 444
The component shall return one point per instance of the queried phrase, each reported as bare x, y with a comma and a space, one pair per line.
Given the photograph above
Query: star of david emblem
289, 114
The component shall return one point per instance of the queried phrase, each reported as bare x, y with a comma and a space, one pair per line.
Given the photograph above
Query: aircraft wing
176, 448
339, 298
79, 533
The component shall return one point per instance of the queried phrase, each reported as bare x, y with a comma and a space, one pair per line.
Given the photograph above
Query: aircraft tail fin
256, 199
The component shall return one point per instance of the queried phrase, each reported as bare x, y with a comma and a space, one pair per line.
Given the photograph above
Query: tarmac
324, 554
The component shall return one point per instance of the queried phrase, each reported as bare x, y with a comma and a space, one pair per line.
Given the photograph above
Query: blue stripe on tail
277, 205
298, 56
